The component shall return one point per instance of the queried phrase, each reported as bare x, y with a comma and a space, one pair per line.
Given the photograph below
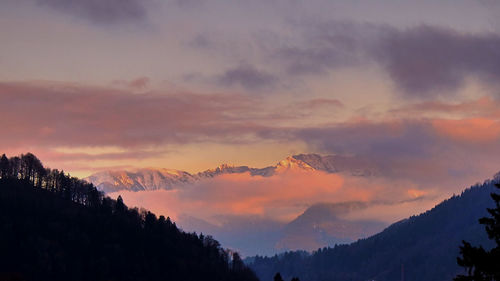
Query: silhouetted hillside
55, 227
425, 247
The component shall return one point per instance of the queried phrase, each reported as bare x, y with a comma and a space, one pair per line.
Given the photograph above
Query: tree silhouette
57, 227
119, 205
483, 265
15, 167
278, 277
30, 167
237, 264
4, 166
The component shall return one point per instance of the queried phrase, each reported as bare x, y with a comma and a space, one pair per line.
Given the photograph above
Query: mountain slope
426, 246
338, 164
321, 224
54, 227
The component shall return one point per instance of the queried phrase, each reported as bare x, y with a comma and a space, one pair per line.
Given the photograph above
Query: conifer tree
4, 167
483, 265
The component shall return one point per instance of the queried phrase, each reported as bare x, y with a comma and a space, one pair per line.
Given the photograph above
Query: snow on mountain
153, 178
291, 163
141, 179
230, 169
338, 164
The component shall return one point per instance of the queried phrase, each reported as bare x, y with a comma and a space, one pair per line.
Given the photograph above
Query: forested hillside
57, 227
423, 247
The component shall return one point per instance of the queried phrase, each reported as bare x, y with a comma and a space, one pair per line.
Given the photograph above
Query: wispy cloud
422, 61
101, 11
62, 114
248, 77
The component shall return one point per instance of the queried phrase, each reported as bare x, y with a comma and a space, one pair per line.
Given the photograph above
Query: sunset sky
411, 87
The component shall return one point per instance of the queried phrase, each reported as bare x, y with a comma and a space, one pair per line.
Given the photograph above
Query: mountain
338, 164
56, 227
424, 247
247, 235
321, 224
158, 178
141, 179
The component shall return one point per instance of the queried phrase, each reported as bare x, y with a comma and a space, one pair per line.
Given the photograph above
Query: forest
57, 227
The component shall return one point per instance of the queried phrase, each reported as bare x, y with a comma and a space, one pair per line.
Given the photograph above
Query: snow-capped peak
161, 178
291, 163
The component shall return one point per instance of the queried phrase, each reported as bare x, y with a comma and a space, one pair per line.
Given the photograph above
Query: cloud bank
63, 114
281, 197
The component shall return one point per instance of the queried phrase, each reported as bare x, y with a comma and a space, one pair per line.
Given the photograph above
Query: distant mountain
141, 179
159, 178
248, 235
424, 247
338, 164
321, 224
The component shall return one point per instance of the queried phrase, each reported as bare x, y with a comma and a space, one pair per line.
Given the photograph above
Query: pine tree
4, 167
483, 265
120, 206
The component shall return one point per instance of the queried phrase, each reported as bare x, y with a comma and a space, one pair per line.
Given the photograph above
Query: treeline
27, 167
57, 227
423, 247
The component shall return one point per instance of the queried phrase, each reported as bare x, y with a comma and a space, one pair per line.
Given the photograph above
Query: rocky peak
291, 163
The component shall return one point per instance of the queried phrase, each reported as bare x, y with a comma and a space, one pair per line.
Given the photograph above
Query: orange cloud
469, 130
416, 193
281, 197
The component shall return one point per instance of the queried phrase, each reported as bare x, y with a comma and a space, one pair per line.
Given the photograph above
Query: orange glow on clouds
281, 197
415, 193
469, 130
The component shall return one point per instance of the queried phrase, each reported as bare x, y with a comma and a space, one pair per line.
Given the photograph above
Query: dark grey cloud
101, 11
327, 46
422, 61
408, 139
201, 41
190, 4
427, 59
247, 77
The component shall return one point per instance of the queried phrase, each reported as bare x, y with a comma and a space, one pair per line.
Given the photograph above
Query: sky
408, 86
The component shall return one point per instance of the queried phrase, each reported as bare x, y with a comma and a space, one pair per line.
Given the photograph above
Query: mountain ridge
162, 178
426, 244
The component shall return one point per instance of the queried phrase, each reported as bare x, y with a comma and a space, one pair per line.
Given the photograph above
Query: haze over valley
303, 202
